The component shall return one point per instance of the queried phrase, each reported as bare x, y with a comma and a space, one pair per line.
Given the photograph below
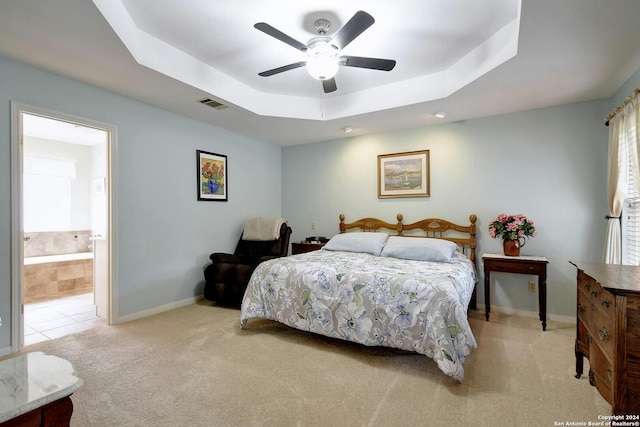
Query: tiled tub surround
57, 264
43, 243
56, 276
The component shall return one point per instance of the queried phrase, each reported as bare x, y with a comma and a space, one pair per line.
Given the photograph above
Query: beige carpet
194, 366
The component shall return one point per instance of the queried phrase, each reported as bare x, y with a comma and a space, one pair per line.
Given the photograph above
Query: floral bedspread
376, 301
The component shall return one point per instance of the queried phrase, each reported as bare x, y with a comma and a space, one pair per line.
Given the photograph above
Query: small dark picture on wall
212, 176
403, 174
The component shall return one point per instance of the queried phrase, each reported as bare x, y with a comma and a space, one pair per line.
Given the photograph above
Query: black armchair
226, 278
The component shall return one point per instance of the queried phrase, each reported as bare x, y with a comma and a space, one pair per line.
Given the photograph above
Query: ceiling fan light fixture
322, 68
322, 63
323, 52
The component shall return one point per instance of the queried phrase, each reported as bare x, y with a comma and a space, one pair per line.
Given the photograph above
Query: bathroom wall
46, 274
44, 243
80, 188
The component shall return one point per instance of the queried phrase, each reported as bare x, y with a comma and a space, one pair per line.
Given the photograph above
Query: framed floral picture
403, 174
213, 183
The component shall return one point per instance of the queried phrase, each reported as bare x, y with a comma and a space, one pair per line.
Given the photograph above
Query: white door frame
17, 232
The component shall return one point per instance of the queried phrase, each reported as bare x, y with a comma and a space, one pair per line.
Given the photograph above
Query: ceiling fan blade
372, 63
273, 32
329, 85
352, 29
282, 69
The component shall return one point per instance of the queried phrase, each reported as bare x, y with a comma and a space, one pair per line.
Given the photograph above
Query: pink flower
509, 227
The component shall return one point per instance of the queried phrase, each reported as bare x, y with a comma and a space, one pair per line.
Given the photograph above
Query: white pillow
419, 248
365, 242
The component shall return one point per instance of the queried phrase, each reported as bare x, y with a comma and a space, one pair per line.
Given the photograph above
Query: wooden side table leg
487, 296
542, 300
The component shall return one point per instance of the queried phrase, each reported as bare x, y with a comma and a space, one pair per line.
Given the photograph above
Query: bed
378, 284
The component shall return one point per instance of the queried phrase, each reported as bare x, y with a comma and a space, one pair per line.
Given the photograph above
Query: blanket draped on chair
263, 229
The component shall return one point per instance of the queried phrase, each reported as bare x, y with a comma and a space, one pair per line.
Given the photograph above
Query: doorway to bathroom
64, 164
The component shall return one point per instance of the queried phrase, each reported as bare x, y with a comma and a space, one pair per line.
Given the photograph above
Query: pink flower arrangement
512, 227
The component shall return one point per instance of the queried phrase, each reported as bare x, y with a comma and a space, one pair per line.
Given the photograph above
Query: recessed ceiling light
347, 129
440, 114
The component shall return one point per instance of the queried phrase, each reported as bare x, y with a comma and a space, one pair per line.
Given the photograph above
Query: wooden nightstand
534, 265
302, 247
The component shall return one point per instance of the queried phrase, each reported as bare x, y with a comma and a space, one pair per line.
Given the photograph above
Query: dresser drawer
585, 305
505, 266
600, 327
605, 301
601, 372
585, 283
583, 338
589, 289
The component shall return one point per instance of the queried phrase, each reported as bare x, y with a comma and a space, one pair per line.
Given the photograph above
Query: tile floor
57, 318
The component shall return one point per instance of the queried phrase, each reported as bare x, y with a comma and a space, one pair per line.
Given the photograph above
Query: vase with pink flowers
512, 229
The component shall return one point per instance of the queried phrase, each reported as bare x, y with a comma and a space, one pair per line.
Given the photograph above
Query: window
46, 193
623, 141
631, 223
631, 231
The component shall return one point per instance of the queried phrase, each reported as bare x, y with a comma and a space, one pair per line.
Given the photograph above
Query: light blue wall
164, 234
625, 91
549, 164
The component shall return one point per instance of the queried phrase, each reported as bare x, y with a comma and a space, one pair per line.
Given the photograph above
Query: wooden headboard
371, 224
430, 227
441, 229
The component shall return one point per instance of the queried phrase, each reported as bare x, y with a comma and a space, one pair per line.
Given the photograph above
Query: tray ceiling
566, 52
439, 48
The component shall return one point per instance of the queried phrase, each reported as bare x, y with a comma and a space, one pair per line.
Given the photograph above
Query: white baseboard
524, 313
156, 310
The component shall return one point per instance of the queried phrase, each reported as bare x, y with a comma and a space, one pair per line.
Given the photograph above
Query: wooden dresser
608, 332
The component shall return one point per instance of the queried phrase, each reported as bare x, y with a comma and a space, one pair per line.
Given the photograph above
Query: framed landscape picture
403, 174
212, 176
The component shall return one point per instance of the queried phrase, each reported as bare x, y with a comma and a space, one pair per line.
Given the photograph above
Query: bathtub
57, 258
56, 276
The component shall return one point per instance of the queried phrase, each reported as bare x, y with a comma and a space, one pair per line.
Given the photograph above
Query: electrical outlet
532, 286
313, 225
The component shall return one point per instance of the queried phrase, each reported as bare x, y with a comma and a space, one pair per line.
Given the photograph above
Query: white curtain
624, 138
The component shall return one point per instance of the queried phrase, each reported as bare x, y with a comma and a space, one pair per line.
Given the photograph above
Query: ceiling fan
323, 52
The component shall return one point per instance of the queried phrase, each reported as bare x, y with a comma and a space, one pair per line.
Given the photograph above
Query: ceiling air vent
213, 104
